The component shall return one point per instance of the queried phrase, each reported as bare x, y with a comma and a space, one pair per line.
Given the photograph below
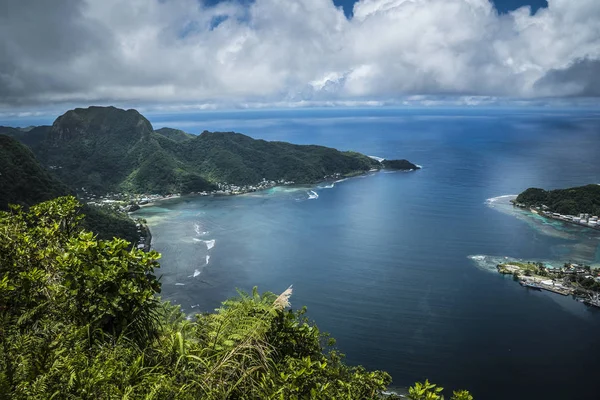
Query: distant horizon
28, 119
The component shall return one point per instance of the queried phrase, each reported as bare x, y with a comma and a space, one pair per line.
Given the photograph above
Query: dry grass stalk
283, 301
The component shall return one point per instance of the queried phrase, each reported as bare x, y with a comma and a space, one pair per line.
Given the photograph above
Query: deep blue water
381, 261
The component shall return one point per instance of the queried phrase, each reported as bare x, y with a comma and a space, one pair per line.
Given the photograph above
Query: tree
431, 391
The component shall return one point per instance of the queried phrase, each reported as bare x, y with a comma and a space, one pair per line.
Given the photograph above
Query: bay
381, 261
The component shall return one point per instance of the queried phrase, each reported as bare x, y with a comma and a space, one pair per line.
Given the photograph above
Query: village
580, 281
126, 203
583, 219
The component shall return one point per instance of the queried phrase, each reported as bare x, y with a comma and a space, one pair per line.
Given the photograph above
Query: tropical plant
430, 391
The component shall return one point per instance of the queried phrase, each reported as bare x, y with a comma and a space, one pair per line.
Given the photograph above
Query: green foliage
64, 271
425, 391
399, 164
22, 179
430, 391
108, 223
461, 395
25, 182
235, 158
79, 319
175, 134
573, 201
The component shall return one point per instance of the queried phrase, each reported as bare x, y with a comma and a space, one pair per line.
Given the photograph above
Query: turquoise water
382, 262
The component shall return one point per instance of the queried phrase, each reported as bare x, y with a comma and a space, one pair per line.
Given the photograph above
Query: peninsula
101, 150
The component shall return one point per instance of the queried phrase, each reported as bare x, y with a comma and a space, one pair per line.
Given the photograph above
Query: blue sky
502, 6
191, 55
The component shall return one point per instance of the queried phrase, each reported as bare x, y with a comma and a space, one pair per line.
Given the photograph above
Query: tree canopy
25, 182
570, 201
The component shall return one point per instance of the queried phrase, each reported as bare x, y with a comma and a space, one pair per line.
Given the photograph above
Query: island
576, 205
580, 281
100, 150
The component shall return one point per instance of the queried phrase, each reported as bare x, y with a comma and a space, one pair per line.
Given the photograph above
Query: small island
580, 281
576, 205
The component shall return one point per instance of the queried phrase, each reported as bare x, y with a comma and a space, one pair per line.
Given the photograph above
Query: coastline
158, 200
154, 200
554, 216
273, 184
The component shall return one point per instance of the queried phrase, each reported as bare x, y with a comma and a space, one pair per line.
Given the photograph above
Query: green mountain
106, 149
571, 201
22, 179
25, 182
239, 159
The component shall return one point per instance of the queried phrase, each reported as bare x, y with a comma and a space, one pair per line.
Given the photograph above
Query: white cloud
293, 51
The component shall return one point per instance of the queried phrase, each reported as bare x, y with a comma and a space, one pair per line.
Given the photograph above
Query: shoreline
555, 216
218, 193
569, 280
578, 281
154, 201
157, 200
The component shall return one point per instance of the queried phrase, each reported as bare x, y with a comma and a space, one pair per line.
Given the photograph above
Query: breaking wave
499, 198
312, 195
209, 244
330, 186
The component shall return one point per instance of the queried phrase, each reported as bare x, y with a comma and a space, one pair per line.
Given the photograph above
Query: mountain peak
99, 121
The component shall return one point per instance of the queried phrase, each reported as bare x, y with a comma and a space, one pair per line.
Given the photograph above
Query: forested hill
109, 149
23, 181
571, 201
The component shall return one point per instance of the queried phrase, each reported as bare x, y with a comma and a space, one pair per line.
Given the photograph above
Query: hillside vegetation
571, 201
176, 135
80, 319
106, 149
23, 181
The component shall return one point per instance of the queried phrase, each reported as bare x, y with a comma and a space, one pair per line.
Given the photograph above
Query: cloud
293, 52
578, 79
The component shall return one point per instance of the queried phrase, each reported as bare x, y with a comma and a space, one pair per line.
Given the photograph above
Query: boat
531, 285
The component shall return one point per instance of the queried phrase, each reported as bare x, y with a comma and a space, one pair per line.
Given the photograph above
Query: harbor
580, 281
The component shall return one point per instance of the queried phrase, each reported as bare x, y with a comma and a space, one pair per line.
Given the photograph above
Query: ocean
387, 262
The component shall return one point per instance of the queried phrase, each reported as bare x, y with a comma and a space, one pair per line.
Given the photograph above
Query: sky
503, 6
178, 55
